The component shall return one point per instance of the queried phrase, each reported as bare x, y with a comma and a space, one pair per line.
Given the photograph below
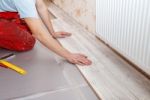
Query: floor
48, 78
111, 77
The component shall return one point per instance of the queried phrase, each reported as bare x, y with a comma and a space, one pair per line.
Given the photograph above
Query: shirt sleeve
26, 8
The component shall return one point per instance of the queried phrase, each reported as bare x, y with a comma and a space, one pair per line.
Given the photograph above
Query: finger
62, 36
89, 62
82, 55
82, 60
85, 61
69, 34
80, 63
66, 33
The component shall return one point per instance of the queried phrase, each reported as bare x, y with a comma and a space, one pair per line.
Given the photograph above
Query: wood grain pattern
110, 76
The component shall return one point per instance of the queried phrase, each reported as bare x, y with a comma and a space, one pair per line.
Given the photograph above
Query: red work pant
14, 33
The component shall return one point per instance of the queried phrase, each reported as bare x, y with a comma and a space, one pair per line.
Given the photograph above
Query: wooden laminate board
110, 76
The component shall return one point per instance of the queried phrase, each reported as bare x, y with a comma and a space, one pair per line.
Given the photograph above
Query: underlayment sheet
44, 74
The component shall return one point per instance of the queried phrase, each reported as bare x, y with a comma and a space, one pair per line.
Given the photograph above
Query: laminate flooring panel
110, 76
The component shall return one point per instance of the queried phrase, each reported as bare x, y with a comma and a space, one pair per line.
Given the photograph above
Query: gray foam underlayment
44, 74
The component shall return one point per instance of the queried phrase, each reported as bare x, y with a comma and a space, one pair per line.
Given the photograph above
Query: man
34, 13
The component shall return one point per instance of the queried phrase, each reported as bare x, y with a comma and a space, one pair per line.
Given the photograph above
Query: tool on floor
10, 65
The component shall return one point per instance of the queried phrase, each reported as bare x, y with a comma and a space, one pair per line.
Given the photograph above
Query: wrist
53, 34
67, 54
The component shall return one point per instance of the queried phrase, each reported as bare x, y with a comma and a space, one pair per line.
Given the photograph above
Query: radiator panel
125, 26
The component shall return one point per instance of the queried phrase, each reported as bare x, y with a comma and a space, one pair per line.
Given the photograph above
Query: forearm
52, 44
40, 33
44, 14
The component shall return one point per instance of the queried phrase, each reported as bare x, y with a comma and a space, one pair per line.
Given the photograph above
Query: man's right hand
79, 59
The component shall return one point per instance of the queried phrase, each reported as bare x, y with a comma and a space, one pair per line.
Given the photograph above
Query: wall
83, 11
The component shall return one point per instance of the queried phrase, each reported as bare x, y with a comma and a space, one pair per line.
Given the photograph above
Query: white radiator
125, 26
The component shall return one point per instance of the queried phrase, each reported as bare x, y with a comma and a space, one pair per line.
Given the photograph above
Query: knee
27, 45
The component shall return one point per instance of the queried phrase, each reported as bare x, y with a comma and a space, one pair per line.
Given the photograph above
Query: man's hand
79, 59
61, 34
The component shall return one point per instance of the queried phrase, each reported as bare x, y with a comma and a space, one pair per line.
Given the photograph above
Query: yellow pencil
13, 67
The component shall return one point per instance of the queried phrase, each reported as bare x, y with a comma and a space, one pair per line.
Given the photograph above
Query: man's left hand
61, 34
